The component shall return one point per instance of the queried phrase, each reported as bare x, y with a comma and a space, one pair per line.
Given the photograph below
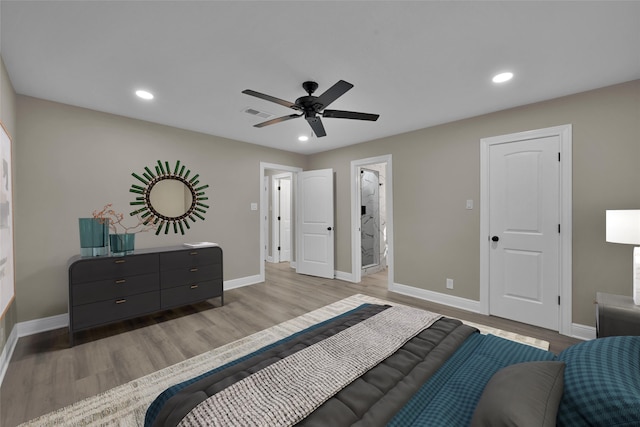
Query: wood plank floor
45, 374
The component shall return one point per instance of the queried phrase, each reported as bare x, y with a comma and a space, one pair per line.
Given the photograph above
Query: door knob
495, 238
329, 228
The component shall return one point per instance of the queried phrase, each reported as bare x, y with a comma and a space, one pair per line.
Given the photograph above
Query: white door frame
564, 133
264, 209
356, 254
275, 201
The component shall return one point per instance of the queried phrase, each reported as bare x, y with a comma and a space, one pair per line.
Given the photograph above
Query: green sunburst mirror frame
150, 213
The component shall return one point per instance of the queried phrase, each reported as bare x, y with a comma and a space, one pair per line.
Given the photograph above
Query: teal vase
122, 244
94, 236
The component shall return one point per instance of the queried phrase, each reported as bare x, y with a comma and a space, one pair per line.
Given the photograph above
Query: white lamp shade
623, 226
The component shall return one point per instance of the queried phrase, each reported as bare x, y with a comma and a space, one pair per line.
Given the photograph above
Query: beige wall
8, 118
71, 161
435, 170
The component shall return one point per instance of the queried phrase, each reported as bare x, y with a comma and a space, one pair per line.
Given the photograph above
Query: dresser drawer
189, 294
190, 258
187, 276
98, 313
88, 292
91, 270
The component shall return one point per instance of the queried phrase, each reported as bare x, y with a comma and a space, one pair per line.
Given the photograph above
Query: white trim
437, 297
583, 332
564, 132
241, 282
356, 255
266, 181
264, 166
341, 275
44, 324
7, 352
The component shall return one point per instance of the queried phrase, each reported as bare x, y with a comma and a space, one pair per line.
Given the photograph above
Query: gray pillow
522, 395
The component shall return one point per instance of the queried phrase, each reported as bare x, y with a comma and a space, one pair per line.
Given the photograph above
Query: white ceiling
417, 64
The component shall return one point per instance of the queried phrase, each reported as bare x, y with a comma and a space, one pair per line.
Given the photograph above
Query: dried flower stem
116, 221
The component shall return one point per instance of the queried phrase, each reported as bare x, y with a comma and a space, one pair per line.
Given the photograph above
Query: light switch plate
254, 206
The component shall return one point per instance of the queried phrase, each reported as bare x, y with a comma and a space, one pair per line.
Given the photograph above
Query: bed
400, 366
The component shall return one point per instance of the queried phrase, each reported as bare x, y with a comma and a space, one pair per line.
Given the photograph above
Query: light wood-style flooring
45, 374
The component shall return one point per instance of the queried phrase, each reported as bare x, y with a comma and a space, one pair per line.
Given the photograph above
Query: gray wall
72, 161
435, 170
8, 118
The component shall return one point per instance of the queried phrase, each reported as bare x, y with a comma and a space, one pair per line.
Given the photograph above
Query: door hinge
278, 247
558, 228
278, 188
278, 218
558, 156
558, 299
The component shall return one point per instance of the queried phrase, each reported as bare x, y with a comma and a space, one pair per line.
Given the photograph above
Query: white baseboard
341, 275
583, 332
7, 352
437, 297
243, 281
578, 331
36, 326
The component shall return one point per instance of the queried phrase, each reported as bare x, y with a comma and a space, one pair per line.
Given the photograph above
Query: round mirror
169, 198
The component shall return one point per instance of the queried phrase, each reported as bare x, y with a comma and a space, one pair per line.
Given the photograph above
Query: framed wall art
7, 282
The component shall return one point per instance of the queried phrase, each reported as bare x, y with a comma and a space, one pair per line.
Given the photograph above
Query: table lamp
623, 226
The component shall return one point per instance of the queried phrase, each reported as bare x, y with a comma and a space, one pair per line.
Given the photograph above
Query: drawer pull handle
120, 261
194, 286
193, 253
193, 270
118, 282
121, 301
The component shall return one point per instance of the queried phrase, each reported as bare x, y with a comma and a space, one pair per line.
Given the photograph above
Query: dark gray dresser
107, 289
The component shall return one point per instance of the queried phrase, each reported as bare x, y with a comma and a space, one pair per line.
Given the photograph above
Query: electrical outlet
449, 283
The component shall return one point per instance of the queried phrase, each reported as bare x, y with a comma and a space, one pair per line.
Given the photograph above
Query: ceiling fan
312, 107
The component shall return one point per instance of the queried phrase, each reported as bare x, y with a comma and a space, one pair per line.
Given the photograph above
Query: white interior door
524, 227
285, 219
315, 224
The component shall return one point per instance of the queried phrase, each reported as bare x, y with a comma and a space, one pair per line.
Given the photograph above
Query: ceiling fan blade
333, 93
339, 114
271, 98
277, 120
316, 125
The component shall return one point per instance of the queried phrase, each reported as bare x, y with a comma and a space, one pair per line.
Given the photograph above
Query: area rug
126, 405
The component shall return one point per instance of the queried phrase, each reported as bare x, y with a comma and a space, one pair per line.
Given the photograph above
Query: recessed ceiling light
502, 77
144, 94
303, 138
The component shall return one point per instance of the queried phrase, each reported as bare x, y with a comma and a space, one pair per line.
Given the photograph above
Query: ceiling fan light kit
313, 107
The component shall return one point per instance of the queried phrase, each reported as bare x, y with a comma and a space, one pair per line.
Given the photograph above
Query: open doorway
275, 234
373, 218
281, 217
372, 213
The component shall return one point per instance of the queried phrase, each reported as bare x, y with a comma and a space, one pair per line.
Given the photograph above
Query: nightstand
616, 315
